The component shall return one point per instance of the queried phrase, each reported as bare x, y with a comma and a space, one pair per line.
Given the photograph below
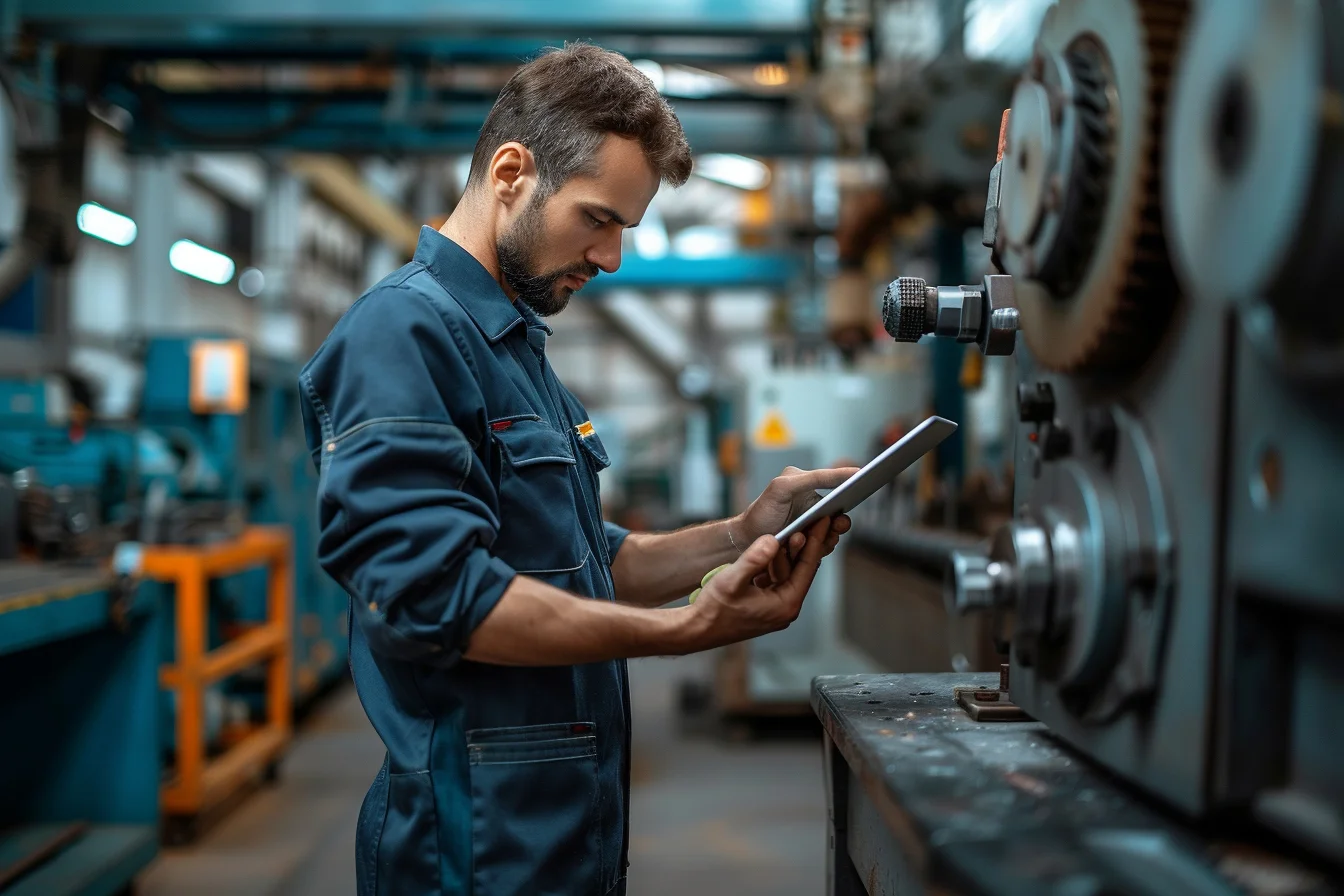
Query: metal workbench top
45, 602
32, 581
935, 802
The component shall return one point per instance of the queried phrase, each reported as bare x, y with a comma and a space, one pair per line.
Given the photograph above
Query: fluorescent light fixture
694, 381
651, 235
654, 71
733, 170
1002, 30
251, 282
680, 80
105, 224
195, 260
704, 241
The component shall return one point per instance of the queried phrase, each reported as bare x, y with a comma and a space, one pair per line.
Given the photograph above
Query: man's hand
763, 591
784, 499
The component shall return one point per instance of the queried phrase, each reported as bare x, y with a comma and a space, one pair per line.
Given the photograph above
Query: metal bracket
990, 705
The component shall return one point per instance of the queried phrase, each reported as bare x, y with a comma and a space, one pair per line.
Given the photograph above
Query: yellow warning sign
773, 432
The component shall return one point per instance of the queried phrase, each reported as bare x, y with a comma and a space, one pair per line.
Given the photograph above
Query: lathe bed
922, 799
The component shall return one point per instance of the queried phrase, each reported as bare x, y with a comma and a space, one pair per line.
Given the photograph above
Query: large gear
1081, 205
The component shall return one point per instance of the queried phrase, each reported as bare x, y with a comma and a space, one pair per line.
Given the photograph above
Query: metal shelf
200, 784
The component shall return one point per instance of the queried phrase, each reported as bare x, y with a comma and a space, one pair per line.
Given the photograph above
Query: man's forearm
535, 624
652, 569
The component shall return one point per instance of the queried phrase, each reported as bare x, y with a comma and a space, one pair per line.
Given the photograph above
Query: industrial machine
1169, 588
241, 460
79, 651
213, 452
279, 487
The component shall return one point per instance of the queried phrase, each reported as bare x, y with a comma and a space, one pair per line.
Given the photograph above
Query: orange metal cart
201, 783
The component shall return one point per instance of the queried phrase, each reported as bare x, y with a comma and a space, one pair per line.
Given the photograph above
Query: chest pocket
539, 504
596, 452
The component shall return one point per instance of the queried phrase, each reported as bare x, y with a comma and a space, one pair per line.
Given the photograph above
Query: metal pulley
1085, 569
1255, 174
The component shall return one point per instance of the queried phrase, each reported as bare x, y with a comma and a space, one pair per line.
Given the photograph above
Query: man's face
557, 245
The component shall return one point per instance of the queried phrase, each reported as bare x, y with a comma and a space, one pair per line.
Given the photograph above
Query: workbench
79, 763
922, 799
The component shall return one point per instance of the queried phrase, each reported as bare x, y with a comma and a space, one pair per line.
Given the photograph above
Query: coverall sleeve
407, 511
616, 536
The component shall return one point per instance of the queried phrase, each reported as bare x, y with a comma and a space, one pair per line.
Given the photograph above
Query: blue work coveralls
452, 459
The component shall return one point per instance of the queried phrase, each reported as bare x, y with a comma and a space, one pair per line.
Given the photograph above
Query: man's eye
594, 220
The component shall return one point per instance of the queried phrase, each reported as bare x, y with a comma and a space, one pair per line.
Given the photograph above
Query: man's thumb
755, 559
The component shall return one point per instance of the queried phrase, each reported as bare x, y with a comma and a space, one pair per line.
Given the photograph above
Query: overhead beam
667, 369
369, 123
412, 48
338, 183
769, 271
206, 21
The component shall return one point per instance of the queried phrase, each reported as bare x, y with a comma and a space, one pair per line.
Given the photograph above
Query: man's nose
607, 253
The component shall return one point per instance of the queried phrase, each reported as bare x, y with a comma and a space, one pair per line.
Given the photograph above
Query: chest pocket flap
592, 444
529, 441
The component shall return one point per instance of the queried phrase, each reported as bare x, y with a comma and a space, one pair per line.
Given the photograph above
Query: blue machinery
79, 653
79, 780
83, 645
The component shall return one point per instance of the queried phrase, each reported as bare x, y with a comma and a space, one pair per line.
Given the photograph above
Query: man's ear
512, 171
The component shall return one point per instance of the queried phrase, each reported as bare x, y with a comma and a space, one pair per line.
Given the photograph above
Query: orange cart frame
200, 784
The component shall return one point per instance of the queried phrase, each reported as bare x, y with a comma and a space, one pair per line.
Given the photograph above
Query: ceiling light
1000, 31
694, 381
651, 235
704, 241
195, 260
684, 81
251, 282
733, 170
105, 224
654, 71
770, 74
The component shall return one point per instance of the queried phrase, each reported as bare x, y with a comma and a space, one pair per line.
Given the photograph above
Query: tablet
878, 472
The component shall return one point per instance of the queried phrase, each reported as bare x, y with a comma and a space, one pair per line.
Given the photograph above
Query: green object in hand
705, 581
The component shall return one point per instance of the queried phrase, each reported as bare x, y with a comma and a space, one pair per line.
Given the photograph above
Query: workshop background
192, 193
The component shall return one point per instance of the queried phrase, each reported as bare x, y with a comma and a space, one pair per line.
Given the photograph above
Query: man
459, 508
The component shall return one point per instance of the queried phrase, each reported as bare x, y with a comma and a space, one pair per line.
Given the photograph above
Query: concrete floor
708, 817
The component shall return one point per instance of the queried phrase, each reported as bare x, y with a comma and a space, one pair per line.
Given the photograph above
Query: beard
517, 250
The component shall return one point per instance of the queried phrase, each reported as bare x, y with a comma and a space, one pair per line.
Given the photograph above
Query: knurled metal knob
904, 309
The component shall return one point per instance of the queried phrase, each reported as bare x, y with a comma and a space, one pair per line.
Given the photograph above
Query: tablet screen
877, 473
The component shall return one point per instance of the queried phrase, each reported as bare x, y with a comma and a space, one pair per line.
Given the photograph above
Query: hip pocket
368, 832
534, 807
397, 830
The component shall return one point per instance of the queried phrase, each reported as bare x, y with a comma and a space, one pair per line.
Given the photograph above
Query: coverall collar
473, 287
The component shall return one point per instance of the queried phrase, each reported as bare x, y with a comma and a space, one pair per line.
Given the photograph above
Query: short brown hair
562, 105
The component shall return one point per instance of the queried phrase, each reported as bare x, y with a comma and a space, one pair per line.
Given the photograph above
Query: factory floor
708, 817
